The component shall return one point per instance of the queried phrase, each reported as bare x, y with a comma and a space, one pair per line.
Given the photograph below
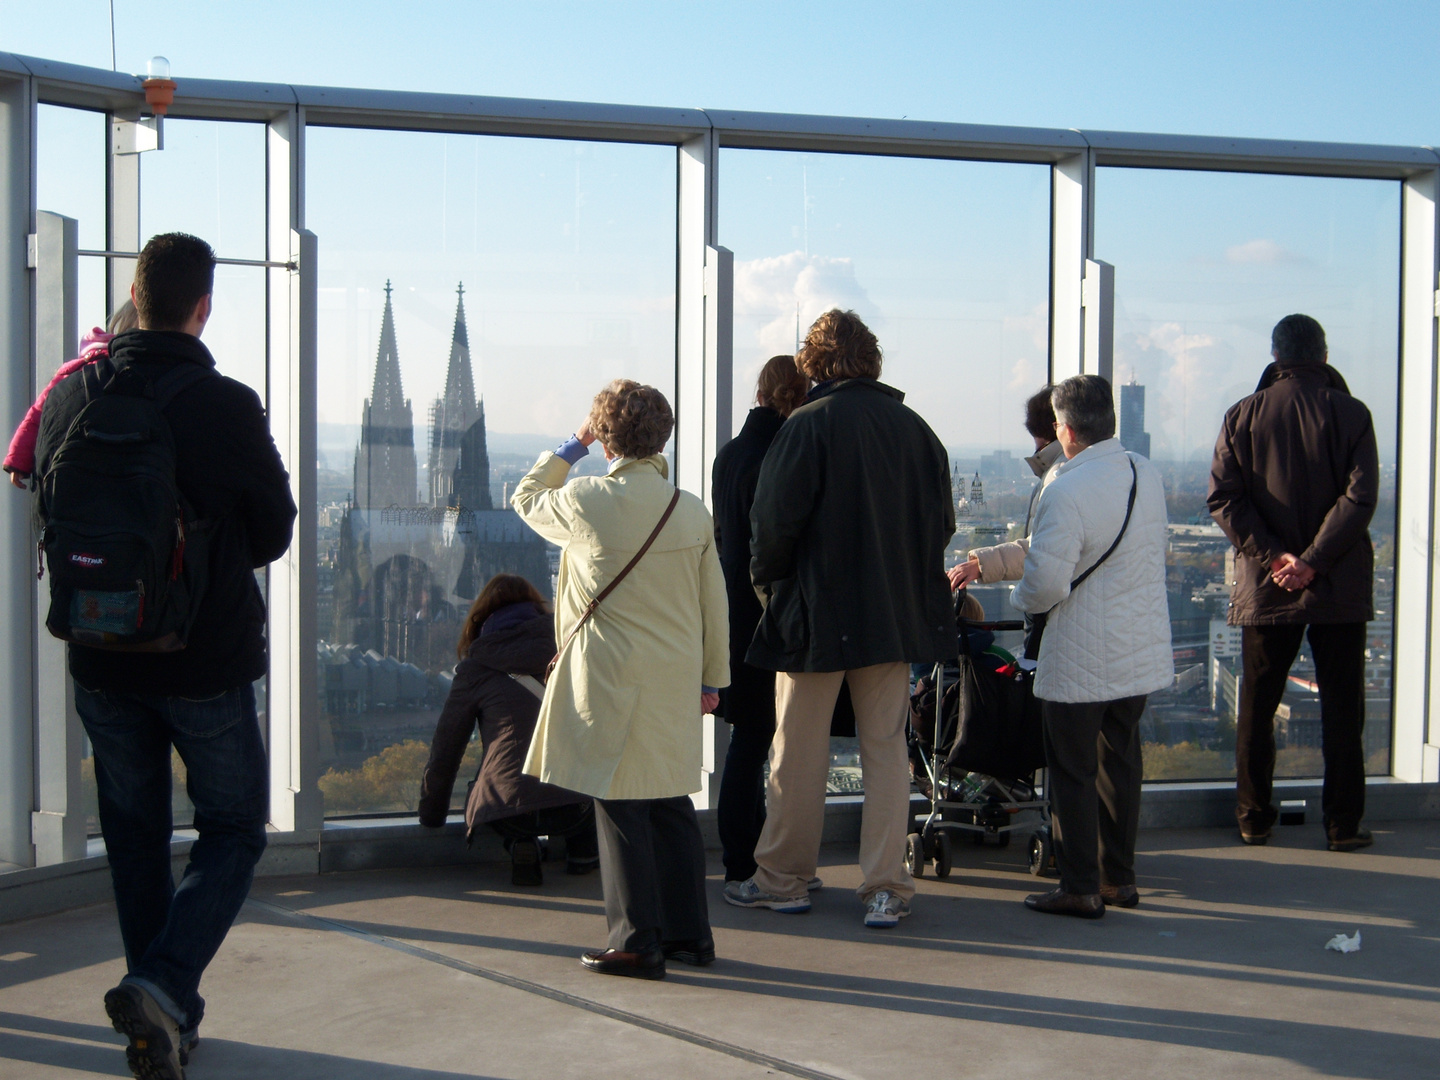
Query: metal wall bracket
137, 136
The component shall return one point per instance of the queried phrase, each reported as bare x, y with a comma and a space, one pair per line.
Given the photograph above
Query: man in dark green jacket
851, 517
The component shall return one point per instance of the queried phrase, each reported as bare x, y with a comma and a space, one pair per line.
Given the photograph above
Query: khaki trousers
800, 762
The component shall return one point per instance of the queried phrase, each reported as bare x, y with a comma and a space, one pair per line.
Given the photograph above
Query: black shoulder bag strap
1037, 622
590, 607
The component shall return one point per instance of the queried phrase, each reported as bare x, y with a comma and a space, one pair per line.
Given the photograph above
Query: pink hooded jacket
21, 458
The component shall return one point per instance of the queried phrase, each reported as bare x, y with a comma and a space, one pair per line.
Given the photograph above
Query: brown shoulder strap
590, 607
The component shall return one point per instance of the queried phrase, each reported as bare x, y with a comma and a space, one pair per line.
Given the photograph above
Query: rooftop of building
452, 972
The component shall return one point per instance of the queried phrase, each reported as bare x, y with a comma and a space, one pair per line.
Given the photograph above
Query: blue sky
1314, 70
567, 249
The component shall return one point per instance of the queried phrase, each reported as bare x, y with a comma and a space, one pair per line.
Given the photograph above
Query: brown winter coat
484, 692
1296, 470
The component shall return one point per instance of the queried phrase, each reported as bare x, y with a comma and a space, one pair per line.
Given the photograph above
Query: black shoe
1257, 838
1126, 896
154, 1050
637, 965
1060, 902
694, 953
586, 865
525, 868
1360, 838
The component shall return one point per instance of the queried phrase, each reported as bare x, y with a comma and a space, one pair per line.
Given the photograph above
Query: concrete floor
454, 973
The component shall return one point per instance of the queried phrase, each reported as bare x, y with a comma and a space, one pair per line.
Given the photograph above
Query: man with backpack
159, 493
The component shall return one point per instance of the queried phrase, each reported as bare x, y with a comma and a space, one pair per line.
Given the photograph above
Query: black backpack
127, 568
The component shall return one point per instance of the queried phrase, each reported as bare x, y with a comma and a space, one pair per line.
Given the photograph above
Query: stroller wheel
942, 854
1042, 852
915, 855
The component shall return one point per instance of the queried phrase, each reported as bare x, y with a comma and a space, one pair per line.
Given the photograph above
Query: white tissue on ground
1341, 943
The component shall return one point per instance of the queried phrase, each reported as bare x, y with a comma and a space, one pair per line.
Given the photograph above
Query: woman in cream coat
621, 716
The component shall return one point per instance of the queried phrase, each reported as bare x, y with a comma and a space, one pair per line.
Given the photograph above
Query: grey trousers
1092, 752
652, 871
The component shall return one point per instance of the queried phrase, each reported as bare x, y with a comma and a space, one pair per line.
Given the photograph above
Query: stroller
977, 756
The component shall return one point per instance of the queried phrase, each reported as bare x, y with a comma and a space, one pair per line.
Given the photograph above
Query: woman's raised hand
964, 573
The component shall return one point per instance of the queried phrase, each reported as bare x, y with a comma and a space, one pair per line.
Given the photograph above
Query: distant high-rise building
452, 415
1133, 435
385, 458
1001, 464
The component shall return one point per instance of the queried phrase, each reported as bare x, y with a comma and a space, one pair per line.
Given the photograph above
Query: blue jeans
172, 933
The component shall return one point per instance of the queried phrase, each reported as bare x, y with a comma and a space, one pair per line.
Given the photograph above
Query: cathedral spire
388, 394
455, 412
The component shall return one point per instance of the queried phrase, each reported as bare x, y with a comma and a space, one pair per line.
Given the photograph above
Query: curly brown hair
840, 346
500, 591
631, 419
781, 386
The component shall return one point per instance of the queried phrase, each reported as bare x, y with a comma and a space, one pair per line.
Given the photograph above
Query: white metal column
1098, 295
1072, 241
122, 207
703, 331
58, 822
1414, 750
17, 548
293, 743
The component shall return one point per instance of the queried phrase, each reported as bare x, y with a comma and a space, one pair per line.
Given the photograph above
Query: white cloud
1259, 251
783, 288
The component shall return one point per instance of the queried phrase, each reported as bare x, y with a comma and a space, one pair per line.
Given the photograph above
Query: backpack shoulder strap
177, 380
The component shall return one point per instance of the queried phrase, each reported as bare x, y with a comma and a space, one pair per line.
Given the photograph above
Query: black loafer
637, 965
694, 953
1256, 839
1360, 838
1060, 902
1126, 896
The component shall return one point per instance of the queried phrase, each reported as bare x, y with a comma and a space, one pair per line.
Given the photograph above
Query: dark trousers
652, 871
171, 933
575, 823
740, 810
1092, 752
1339, 653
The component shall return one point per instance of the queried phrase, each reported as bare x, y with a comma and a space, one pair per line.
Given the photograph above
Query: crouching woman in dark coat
508, 639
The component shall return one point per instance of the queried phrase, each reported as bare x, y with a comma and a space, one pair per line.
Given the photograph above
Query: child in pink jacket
20, 461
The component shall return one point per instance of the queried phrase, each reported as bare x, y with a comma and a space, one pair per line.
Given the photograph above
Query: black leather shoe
1126, 896
525, 863
1060, 902
694, 953
637, 965
1256, 839
1360, 838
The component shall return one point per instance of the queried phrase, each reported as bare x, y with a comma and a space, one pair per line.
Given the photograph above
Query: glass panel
1205, 265
70, 180
949, 263
467, 317
209, 181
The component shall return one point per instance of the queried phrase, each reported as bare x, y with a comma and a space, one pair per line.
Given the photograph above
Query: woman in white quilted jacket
1105, 648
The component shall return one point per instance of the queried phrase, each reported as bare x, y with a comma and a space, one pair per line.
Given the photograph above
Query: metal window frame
702, 347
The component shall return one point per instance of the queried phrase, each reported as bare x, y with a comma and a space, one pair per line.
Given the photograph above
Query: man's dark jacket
848, 532
1296, 470
230, 473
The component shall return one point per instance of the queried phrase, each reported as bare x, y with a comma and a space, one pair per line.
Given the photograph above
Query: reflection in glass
465, 326
1205, 265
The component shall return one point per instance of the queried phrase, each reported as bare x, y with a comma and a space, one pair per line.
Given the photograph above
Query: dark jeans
171, 933
652, 871
1339, 653
1092, 752
740, 810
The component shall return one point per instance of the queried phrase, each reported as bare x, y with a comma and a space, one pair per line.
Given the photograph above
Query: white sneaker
747, 894
814, 885
885, 910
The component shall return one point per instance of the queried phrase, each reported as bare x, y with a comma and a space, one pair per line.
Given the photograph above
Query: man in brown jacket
1293, 483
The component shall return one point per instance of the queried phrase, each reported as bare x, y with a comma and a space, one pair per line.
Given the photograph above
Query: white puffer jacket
1111, 638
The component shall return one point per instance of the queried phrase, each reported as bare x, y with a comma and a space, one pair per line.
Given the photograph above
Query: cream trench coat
621, 713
